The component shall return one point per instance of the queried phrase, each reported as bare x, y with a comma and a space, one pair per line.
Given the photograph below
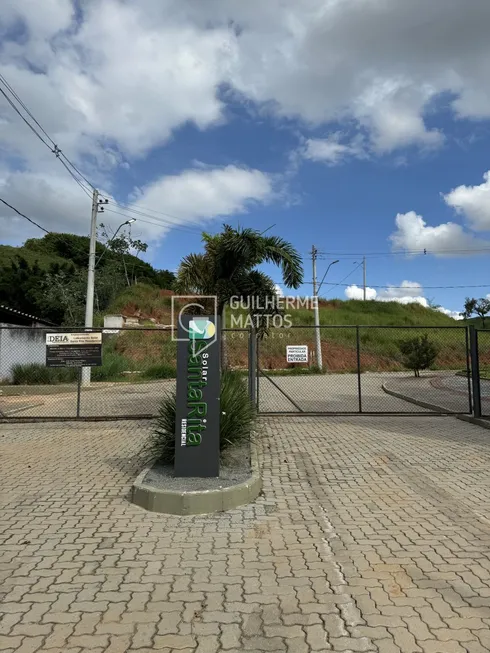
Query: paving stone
371, 541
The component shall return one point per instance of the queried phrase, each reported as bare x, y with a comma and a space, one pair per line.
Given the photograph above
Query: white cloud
279, 290
332, 151
205, 193
456, 315
190, 197
409, 292
355, 292
128, 74
414, 235
473, 202
379, 63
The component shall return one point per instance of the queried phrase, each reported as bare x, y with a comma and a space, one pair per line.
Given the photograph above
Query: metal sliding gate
366, 370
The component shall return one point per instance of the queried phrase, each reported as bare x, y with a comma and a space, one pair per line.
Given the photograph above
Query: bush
39, 374
418, 353
160, 371
112, 368
237, 417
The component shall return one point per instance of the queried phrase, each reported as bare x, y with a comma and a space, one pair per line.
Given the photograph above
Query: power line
22, 215
388, 286
340, 282
158, 223
142, 210
424, 251
53, 147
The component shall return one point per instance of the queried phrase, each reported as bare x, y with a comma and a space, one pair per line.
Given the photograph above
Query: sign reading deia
73, 349
198, 394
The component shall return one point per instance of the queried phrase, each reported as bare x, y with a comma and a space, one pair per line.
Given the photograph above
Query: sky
359, 126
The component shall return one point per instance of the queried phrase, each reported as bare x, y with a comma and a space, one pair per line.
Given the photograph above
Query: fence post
252, 364
475, 371
358, 347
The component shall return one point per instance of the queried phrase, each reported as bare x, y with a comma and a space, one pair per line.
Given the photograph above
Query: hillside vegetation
47, 276
151, 353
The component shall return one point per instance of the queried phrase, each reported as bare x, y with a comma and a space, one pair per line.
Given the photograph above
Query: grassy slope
44, 259
379, 346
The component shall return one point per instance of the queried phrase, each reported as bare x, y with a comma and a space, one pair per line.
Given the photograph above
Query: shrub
418, 353
160, 371
112, 368
39, 374
236, 423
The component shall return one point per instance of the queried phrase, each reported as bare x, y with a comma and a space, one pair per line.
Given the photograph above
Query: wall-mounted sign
198, 397
73, 349
297, 353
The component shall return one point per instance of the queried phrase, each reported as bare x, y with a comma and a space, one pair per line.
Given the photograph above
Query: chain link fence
138, 370
484, 365
366, 369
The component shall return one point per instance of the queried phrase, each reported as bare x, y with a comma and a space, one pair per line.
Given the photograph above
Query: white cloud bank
189, 198
409, 292
473, 202
112, 80
414, 235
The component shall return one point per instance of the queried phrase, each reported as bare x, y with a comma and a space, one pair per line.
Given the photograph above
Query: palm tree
228, 267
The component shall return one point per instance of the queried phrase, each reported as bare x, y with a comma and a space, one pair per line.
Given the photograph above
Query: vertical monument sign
198, 396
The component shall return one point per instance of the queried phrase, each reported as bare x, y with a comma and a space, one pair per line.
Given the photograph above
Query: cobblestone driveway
372, 535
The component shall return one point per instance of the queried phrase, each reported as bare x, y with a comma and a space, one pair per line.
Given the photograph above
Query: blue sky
360, 127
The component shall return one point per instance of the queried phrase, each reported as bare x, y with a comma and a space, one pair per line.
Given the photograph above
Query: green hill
47, 276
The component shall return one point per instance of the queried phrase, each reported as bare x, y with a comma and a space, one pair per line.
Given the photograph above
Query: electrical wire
53, 147
141, 210
425, 251
340, 282
22, 215
158, 223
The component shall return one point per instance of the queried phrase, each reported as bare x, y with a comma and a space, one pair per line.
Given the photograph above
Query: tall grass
39, 374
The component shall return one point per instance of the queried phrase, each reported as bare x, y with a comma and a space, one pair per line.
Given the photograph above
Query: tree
228, 268
418, 353
480, 307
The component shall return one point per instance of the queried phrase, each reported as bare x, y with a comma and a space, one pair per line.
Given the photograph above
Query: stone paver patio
372, 535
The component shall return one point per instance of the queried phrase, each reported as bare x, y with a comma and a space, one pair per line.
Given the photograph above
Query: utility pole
89, 302
364, 277
318, 341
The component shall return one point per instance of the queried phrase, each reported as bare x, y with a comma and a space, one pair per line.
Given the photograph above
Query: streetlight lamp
130, 221
321, 282
318, 342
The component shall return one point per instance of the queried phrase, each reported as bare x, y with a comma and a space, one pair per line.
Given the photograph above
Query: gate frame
471, 356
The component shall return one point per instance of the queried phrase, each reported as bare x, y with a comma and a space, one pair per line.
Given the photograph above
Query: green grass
39, 374
44, 259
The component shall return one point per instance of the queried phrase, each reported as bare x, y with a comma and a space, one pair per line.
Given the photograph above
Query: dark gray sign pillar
198, 397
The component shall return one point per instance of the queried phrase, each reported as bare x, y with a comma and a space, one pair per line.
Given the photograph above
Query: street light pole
324, 276
89, 301
318, 342
316, 293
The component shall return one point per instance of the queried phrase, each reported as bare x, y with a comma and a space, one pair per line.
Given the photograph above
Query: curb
198, 503
14, 411
461, 416
417, 402
474, 420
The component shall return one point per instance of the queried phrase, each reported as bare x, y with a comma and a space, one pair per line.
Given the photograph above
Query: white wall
20, 346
